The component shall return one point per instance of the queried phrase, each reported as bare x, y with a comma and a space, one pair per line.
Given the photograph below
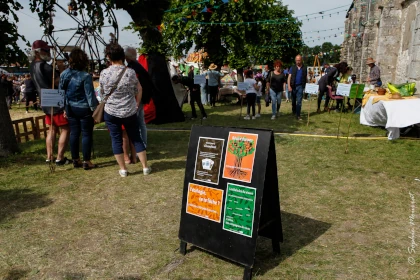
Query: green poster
239, 209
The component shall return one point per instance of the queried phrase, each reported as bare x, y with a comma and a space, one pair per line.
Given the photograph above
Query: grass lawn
344, 216
226, 114
324, 123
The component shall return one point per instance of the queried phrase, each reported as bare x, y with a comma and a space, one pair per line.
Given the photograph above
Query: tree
238, 32
327, 53
9, 50
9, 53
146, 16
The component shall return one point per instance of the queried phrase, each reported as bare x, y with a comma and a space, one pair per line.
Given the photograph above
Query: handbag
98, 114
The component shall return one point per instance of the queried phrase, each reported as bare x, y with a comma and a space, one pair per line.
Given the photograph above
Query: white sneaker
257, 115
123, 173
253, 117
247, 118
204, 118
273, 117
147, 171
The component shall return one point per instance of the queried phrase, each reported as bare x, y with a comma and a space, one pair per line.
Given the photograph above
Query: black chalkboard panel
225, 214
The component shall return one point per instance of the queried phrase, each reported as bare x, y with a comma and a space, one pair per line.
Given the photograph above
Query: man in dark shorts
42, 74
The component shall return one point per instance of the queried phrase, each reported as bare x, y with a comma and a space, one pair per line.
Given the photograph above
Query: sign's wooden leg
276, 246
183, 248
247, 273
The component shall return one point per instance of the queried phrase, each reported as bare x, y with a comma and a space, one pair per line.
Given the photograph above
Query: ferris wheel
85, 33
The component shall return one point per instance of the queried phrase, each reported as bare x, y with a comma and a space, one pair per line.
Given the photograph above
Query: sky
29, 24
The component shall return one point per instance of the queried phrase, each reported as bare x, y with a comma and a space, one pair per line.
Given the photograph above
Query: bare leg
121, 162
259, 108
126, 146
50, 141
133, 153
62, 141
143, 159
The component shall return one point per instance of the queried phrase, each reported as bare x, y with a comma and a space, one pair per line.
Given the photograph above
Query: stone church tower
389, 32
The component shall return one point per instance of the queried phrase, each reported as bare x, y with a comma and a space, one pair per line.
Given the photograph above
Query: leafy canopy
327, 52
230, 38
9, 49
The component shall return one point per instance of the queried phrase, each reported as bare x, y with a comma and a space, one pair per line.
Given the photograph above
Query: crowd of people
120, 89
277, 83
17, 89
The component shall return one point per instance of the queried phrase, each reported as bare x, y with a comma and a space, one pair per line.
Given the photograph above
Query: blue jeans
203, 94
287, 93
275, 101
80, 121
142, 124
297, 96
131, 125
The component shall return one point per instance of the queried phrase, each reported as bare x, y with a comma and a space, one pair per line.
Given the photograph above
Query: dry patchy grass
344, 216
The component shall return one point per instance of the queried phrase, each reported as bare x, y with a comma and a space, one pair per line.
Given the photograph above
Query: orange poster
240, 156
205, 202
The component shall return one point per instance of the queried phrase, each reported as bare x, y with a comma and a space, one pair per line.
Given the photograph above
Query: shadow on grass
13, 202
298, 232
16, 274
74, 276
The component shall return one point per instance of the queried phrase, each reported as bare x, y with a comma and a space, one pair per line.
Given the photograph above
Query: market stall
391, 111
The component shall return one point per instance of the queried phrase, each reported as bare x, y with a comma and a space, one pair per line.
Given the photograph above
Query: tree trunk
167, 108
240, 75
8, 144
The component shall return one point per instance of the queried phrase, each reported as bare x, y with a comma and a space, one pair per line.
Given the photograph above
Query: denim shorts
258, 100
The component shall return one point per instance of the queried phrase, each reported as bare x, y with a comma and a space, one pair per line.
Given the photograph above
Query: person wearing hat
42, 76
375, 73
213, 80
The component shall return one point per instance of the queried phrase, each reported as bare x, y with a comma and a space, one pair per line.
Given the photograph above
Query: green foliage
9, 50
327, 52
230, 38
241, 148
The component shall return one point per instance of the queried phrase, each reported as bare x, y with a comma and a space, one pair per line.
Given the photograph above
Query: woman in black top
30, 93
195, 96
276, 82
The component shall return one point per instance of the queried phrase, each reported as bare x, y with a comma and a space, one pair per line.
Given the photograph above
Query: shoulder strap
116, 84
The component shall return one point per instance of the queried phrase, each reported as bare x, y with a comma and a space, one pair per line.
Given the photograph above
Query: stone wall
388, 31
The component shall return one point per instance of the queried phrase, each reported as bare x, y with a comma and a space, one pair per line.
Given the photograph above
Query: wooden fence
33, 128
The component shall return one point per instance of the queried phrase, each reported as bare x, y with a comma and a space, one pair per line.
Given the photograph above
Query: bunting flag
204, 10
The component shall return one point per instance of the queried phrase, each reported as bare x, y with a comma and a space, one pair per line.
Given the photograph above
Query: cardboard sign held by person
243, 86
52, 98
199, 79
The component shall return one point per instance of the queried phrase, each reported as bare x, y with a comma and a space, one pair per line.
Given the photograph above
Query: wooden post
341, 114
309, 110
52, 165
351, 117
317, 64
